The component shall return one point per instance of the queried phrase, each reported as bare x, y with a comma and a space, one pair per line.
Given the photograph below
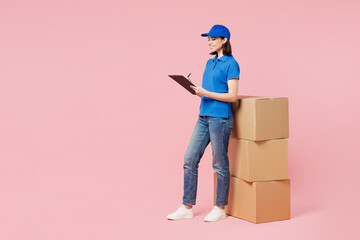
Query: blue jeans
217, 131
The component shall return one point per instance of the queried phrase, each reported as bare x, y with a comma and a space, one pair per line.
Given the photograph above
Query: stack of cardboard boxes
258, 160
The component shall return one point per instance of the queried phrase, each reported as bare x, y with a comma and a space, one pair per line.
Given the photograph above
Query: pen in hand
189, 78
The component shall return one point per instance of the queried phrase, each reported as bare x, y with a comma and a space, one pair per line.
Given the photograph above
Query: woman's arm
230, 96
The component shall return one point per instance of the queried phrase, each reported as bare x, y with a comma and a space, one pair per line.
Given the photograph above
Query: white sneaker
216, 214
181, 213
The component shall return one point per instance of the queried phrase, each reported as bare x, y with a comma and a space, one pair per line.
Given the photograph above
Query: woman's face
216, 43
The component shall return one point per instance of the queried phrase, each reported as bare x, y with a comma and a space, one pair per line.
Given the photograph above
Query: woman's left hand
199, 91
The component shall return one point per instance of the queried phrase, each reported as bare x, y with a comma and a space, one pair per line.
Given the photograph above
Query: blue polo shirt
215, 79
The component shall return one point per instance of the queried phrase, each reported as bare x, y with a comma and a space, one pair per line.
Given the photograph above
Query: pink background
93, 132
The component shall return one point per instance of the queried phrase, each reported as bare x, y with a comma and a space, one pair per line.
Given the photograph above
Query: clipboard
185, 82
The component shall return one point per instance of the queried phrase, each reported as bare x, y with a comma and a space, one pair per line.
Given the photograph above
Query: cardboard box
258, 202
260, 118
258, 161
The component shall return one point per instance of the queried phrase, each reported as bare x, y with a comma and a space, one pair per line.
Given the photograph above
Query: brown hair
226, 48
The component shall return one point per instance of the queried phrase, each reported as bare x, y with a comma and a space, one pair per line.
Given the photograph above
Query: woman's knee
190, 162
223, 173
222, 169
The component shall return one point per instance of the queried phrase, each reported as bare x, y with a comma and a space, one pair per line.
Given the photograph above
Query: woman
219, 88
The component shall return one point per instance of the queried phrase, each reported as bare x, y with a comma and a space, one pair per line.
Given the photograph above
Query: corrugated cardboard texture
258, 202
260, 118
272, 200
258, 161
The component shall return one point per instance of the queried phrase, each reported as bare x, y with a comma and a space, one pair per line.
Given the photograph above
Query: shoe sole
185, 217
221, 218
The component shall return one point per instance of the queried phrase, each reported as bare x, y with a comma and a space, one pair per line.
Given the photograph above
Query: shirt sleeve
233, 70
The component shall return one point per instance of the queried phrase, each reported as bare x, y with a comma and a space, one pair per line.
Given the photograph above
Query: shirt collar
223, 58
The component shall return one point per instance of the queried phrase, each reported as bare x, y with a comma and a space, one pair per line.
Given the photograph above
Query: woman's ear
225, 40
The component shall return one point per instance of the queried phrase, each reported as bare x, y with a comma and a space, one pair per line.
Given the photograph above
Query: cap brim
208, 35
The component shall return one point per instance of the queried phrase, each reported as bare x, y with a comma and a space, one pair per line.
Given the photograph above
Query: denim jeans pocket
228, 121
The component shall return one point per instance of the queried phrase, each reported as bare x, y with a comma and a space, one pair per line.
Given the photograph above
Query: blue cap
218, 31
